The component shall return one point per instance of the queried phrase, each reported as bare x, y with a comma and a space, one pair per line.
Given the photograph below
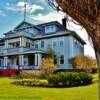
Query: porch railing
18, 67
16, 50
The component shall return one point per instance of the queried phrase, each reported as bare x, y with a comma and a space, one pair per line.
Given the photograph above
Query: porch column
21, 60
23, 42
5, 61
39, 59
20, 42
6, 44
36, 59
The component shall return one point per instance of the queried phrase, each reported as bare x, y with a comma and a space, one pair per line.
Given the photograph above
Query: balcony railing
13, 50
16, 50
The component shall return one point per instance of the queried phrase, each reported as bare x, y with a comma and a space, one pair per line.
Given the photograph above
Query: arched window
62, 59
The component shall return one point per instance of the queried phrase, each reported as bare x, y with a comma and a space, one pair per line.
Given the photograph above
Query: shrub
94, 70
85, 78
70, 79
30, 74
83, 62
47, 67
68, 70
31, 83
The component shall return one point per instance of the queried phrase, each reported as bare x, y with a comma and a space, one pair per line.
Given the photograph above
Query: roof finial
25, 9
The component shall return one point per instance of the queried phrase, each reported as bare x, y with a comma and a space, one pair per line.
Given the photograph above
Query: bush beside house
83, 62
61, 79
70, 79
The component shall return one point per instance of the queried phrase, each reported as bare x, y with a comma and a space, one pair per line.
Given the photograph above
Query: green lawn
12, 92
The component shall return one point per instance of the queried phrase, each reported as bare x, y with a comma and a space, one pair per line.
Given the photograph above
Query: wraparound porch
23, 61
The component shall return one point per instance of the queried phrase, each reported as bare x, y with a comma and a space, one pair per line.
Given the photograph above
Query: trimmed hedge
68, 79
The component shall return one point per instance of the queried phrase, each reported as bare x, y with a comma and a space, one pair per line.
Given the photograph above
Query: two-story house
26, 44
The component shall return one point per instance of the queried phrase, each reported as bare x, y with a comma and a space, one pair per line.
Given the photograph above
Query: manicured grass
13, 92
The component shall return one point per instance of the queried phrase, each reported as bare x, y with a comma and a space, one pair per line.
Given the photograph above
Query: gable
23, 25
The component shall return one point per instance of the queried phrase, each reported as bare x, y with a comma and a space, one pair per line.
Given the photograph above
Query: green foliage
89, 92
70, 79
86, 78
94, 70
50, 52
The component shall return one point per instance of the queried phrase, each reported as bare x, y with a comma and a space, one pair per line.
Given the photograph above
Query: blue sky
12, 12
38, 11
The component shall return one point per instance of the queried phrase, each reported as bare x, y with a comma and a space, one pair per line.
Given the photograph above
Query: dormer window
50, 29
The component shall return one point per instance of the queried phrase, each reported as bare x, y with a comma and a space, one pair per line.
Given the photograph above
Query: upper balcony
14, 51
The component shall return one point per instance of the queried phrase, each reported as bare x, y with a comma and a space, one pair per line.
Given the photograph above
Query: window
27, 45
55, 59
42, 44
18, 44
11, 45
54, 43
36, 46
61, 59
50, 28
61, 43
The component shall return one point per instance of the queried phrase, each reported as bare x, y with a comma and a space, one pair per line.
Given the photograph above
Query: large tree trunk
87, 13
98, 63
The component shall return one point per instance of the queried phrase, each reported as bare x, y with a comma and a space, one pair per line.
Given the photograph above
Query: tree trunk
98, 63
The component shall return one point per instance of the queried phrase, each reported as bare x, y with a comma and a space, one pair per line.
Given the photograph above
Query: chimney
64, 21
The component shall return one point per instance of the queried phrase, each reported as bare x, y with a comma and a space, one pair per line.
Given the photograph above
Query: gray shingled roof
41, 27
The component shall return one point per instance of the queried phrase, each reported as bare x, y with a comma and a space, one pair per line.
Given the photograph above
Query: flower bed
61, 79
8, 72
31, 83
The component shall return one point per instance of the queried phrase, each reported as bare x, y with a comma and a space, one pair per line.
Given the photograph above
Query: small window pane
61, 59
36, 46
61, 43
54, 44
42, 44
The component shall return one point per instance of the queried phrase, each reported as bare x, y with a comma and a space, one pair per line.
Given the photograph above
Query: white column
39, 59
6, 44
15, 62
21, 60
23, 42
20, 42
36, 59
5, 61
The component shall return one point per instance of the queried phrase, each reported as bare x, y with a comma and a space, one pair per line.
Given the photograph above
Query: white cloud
52, 16
2, 13
20, 7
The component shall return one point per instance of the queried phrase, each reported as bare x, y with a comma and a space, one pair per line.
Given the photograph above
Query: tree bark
86, 13
98, 63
